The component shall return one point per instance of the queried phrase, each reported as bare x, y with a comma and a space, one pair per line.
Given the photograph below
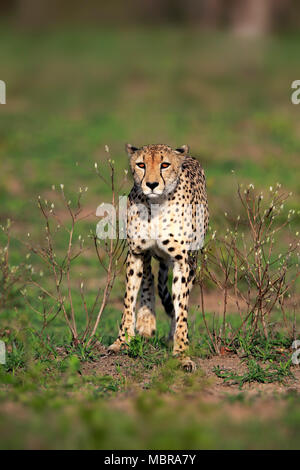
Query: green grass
102, 412
256, 373
43, 381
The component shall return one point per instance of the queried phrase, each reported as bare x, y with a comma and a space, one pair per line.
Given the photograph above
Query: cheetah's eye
165, 165
141, 165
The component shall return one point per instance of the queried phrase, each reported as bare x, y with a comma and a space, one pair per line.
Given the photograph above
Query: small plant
256, 373
273, 348
136, 347
146, 350
246, 266
107, 385
58, 299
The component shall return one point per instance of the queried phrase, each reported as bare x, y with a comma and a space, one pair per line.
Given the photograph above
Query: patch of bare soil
115, 365
212, 388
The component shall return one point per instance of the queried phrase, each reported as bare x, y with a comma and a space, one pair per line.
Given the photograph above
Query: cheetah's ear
184, 150
130, 149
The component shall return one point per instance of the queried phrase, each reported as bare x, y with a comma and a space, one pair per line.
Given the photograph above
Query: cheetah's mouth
153, 195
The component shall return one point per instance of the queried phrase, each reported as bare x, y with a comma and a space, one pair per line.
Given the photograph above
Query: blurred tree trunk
256, 17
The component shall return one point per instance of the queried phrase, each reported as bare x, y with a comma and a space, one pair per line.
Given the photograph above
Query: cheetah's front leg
180, 290
134, 272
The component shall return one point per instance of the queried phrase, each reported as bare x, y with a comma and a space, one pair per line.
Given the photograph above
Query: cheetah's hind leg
146, 319
146, 322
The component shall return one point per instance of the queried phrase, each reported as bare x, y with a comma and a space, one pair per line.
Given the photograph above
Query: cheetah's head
156, 168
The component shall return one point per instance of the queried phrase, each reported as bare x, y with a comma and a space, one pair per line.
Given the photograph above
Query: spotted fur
167, 219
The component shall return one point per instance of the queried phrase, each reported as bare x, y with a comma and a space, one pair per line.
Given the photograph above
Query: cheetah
167, 218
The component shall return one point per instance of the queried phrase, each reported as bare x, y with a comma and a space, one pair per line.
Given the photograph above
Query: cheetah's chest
163, 228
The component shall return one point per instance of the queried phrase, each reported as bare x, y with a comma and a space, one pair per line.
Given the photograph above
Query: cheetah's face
156, 168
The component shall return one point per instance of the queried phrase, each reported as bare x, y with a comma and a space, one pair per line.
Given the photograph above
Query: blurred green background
74, 85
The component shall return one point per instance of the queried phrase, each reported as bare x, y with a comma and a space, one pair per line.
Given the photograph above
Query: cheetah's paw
188, 365
116, 347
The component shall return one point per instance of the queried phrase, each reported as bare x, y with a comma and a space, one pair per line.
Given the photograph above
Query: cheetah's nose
152, 185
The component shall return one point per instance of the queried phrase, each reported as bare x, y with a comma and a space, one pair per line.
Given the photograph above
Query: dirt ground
212, 390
